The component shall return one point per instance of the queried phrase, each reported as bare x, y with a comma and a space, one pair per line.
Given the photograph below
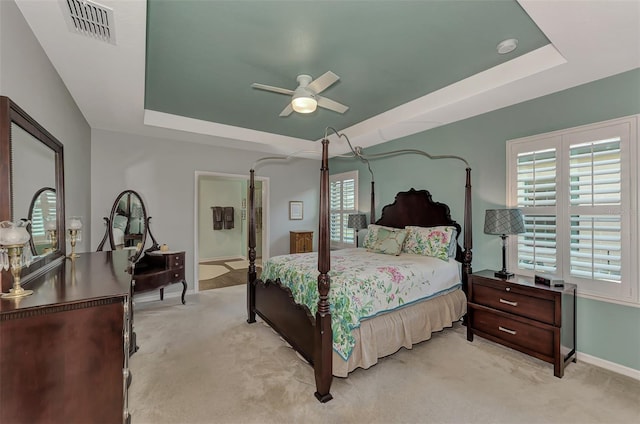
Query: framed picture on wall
295, 209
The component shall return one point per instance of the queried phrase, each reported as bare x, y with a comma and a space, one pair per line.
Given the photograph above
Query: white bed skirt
387, 333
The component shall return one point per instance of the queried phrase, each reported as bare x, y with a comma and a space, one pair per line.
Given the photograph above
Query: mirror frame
12, 113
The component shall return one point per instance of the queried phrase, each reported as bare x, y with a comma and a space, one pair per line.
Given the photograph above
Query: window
578, 191
343, 201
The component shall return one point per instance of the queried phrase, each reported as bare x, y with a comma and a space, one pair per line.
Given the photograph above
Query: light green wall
225, 243
605, 330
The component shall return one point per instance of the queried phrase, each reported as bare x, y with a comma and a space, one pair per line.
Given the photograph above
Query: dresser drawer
167, 260
175, 260
508, 300
514, 332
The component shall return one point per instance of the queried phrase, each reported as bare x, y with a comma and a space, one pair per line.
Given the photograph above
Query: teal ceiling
202, 56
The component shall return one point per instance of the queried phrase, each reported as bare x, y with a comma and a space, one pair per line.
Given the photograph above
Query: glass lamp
51, 227
13, 255
503, 222
74, 229
357, 221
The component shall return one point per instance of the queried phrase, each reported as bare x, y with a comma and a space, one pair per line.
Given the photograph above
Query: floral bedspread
363, 285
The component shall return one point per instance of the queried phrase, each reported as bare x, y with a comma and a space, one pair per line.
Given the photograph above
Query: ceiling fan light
304, 102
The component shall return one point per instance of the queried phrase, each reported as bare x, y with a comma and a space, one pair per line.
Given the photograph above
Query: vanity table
65, 349
157, 269
153, 269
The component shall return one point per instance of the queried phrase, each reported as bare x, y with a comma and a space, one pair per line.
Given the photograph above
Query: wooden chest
532, 318
300, 241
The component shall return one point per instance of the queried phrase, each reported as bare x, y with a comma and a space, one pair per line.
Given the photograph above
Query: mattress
363, 286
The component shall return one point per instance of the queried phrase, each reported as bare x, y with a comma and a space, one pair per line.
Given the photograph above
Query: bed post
372, 215
251, 273
468, 233
323, 346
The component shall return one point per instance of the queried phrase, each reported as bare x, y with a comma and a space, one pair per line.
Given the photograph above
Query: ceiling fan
305, 98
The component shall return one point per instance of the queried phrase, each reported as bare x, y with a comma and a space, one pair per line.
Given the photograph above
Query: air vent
90, 19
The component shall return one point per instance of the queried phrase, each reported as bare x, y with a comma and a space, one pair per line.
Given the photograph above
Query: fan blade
323, 82
331, 104
272, 88
287, 111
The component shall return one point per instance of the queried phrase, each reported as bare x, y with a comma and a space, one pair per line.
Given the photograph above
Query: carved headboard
416, 207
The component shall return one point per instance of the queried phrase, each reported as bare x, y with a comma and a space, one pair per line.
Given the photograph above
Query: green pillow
388, 241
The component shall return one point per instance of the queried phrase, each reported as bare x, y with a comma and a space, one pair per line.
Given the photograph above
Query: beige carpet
202, 363
207, 272
243, 264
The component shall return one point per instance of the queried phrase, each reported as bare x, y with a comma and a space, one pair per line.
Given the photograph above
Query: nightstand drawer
520, 334
508, 300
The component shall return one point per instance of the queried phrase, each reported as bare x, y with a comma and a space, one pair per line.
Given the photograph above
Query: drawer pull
506, 330
176, 275
508, 302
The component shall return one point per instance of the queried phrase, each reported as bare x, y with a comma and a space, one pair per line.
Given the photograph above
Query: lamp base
505, 275
16, 293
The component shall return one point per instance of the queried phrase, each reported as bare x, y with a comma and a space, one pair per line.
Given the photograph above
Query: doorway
222, 228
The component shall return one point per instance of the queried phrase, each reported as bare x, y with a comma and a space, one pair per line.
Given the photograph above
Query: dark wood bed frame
312, 336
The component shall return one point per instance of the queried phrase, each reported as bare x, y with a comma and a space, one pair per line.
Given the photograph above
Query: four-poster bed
311, 334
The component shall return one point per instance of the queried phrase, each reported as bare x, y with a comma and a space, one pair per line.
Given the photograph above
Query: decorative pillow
431, 241
120, 222
453, 244
372, 234
389, 242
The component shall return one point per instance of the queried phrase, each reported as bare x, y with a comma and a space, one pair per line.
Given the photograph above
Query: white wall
29, 79
163, 173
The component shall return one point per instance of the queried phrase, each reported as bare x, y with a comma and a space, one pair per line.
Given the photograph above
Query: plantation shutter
537, 196
595, 210
343, 201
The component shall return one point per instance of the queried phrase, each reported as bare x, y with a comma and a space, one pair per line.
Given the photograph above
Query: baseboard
608, 365
223, 258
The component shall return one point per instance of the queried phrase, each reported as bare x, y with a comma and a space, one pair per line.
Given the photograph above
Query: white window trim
339, 177
628, 291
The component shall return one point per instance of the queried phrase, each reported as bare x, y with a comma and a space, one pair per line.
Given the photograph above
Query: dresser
300, 241
157, 269
64, 350
532, 318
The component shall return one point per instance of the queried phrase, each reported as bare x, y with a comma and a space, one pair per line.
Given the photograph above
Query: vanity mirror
31, 162
128, 225
42, 222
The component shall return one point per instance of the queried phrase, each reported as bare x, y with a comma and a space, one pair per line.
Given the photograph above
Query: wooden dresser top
92, 275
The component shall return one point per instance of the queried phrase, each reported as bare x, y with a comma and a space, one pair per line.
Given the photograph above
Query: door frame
265, 216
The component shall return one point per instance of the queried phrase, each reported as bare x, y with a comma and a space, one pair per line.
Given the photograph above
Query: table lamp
357, 221
503, 222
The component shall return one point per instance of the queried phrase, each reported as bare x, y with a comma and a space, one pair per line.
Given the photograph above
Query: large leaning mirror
31, 169
128, 225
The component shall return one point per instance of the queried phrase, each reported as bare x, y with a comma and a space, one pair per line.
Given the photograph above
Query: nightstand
300, 241
535, 319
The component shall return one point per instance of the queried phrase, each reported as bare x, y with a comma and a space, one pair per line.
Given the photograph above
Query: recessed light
507, 46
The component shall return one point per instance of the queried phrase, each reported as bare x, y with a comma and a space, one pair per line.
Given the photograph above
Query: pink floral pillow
431, 241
